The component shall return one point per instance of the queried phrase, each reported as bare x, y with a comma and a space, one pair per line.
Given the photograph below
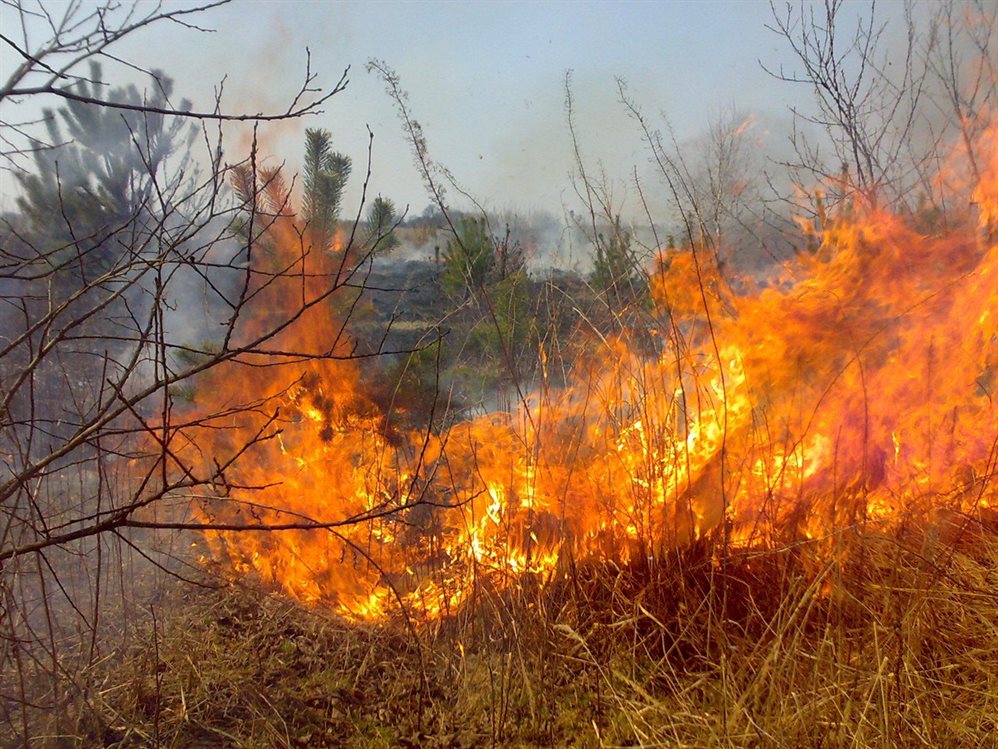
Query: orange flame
857, 387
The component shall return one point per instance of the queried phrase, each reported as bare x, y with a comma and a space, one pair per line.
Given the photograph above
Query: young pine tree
325, 176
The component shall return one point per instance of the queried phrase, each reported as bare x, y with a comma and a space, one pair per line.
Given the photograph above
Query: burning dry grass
853, 384
775, 529
894, 643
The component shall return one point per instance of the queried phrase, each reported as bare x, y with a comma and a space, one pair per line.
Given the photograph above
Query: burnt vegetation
279, 470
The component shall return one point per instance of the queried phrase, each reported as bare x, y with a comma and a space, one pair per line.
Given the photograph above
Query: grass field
891, 642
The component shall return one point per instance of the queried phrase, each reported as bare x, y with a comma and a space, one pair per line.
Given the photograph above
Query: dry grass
892, 644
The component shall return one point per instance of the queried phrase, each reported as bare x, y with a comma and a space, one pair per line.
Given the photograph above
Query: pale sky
485, 79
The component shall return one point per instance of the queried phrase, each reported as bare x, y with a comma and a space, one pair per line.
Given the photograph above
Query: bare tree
866, 105
892, 92
957, 49
131, 278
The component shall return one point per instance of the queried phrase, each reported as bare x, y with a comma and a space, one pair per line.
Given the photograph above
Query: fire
857, 387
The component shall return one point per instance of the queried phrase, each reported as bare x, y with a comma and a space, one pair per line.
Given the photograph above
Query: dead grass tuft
893, 643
